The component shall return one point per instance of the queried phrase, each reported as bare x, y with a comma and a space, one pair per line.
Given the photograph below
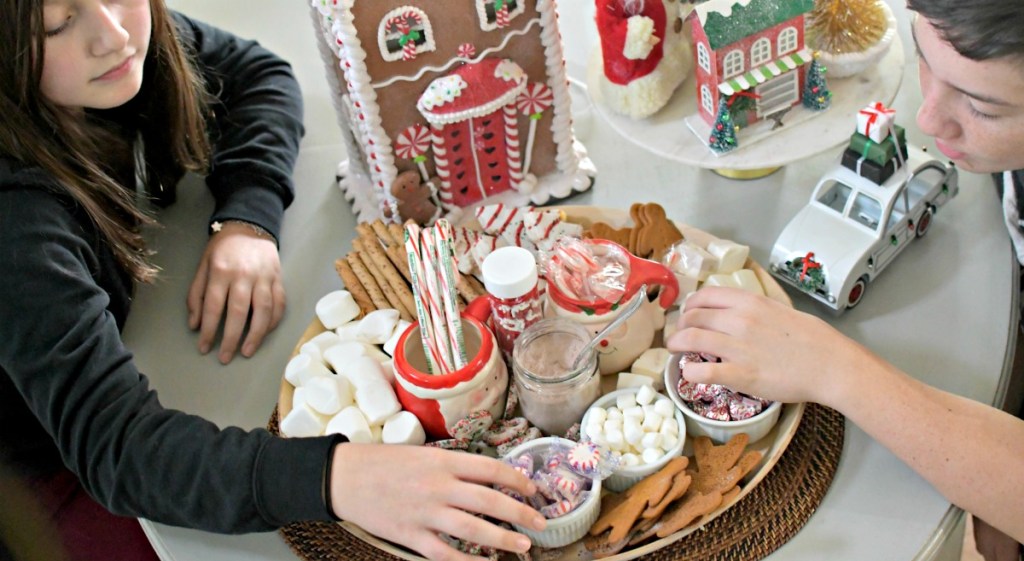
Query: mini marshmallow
626, 401
636, 412
302, 422
377, 326
646, 395
403, 428
612, 424
377, 403
301, 368
616, 440
598, 438
669, 441
349, 331
351, 422
669, 426
665, 408
631, 380
634, 434
337, 308
392, 342
731, 256
651, 440
328, 395
614, 413
598, 415
651, 455
652, 422
630, 460
651, 363
594, 430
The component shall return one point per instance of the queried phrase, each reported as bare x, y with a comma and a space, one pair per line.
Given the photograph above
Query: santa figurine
644, 54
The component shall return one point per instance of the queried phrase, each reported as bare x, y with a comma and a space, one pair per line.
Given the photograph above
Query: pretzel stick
382, 281
384, 234
477, 287
366, 232
396, 254
381, 262
352, 284
397, 233
366, 279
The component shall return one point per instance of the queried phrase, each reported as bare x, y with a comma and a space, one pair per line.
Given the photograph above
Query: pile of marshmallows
343, 378
639, 428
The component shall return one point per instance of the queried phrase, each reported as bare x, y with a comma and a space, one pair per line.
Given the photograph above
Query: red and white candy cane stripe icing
515, 164
441, 163
501, 18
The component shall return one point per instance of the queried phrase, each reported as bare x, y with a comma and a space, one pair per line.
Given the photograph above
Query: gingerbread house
752, 52
470, 95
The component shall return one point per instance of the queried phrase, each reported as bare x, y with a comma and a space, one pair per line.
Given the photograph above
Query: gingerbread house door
475, 130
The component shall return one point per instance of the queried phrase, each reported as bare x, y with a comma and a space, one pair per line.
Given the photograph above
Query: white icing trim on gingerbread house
351, 57
460, 59
499, 21
399, 17
567, 158
723, 7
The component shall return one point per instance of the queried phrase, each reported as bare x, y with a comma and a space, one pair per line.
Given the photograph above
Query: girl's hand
767, 348
239, 278
408, 494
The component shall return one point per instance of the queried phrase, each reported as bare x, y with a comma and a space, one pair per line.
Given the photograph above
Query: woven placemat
771, 514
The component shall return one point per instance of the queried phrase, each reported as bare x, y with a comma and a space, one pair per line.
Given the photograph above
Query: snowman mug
441, 400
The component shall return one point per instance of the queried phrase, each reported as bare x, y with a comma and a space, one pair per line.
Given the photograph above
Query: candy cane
413, 253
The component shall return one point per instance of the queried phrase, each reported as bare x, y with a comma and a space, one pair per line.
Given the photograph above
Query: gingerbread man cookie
413, 198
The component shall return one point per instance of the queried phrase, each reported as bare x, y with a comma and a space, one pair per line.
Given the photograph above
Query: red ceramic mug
441, 400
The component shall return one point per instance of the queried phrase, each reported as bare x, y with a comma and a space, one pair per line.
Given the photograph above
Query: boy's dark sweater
69, 391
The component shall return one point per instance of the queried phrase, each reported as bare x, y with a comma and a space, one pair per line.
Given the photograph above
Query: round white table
926, 314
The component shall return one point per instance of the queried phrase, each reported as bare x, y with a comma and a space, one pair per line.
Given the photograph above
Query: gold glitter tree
845, 26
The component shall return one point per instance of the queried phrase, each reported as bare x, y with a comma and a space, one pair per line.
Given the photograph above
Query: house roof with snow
728, 21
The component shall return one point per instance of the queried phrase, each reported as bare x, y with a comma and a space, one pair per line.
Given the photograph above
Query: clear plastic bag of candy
585, 270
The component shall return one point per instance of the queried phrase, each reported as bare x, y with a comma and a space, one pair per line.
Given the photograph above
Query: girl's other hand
239, 280
409, 494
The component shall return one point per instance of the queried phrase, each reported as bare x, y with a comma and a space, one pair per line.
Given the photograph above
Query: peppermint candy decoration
535, 99
466, 50
413, 142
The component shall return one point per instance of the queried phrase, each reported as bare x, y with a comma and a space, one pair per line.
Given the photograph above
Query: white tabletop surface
926, 314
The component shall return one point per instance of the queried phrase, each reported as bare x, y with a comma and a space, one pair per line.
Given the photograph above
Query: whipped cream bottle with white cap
510, 277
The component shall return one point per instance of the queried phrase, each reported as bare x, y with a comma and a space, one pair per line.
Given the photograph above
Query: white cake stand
666, 133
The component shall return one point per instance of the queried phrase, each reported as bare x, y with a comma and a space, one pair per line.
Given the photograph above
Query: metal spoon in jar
623, 316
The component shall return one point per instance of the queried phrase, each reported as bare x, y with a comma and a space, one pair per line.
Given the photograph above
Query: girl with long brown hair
104, 105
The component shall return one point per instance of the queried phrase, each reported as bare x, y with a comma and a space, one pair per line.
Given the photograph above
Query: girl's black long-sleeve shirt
70, 392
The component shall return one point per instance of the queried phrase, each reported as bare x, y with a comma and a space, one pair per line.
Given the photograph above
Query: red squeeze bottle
510, 277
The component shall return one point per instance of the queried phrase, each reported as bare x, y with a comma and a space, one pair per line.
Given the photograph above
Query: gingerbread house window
404, 33
703, 58
787, 40
733, 64
706, 102
497, 14
760, 52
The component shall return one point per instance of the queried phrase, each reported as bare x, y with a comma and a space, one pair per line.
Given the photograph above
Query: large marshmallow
744, 278
302, 368
631, 380
651, 363
328, 395
392, 342
691, 260
671, 323
337, 308
302, 422
378, 403
363, 372
687, 286
349, 331
315, 347
403, 428
350, 422
731, 256
377, 326
337, 356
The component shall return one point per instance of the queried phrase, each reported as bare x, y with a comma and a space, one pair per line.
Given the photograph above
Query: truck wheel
857, 292
924, 222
